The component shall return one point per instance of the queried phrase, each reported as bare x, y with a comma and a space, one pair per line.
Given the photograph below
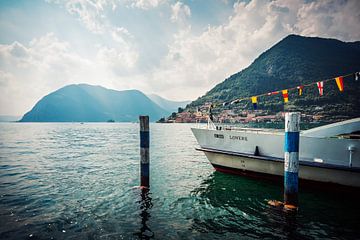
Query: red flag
340, 83
320, 86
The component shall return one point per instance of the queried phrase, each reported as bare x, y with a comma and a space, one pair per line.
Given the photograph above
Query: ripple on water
77, 182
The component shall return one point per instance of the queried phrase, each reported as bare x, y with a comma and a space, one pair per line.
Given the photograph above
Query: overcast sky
176, 49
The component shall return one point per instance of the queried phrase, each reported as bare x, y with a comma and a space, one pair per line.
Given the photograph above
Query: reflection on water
76, 181
145, 206
237, 206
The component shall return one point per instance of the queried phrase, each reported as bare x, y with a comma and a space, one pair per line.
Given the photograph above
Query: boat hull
253, 165
271, 144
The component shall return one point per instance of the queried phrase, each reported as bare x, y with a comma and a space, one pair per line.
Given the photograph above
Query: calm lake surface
77, 181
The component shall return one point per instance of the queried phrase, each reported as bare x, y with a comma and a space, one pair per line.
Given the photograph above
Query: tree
161, 120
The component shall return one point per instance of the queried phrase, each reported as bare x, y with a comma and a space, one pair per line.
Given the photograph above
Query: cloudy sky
177, 49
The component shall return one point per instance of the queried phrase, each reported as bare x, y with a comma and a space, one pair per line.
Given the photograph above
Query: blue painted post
291, 164
144, 151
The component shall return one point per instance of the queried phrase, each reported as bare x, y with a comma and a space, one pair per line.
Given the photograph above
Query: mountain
169, 105
87, 103
295, 61
7, 118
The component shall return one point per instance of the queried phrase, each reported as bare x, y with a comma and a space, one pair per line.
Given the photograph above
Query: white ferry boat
329, 154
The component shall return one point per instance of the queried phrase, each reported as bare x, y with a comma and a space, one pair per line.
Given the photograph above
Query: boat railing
247, 129
211, 125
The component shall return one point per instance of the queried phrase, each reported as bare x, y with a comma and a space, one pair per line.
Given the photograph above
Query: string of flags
300, 89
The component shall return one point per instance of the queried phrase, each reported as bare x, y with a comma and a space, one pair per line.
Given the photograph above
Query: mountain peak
293, 61
89, 103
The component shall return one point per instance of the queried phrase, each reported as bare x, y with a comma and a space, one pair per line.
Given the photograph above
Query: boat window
218, 136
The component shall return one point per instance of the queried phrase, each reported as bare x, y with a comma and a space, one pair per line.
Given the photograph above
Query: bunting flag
225, 104
340, 83
285, 95
300, 90
254, 102
357, 76
320, 86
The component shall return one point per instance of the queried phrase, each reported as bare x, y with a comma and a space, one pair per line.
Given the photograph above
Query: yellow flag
285, 95
254, 99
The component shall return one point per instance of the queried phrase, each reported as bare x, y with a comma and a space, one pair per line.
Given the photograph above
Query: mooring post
291, 163
144, 151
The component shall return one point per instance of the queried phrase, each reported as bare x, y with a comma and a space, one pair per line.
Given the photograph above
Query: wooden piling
144, 151
291, 160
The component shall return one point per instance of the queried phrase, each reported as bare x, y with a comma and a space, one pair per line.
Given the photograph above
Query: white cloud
92, 14
28, 72
180, 12
195, 63
336, 19
118, 61
145, 4
89, 13
119, 56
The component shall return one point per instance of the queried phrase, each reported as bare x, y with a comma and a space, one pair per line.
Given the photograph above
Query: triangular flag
285, 95
254, 102
340, 83
235, 101
225, 104
357, 76
300, 90
320, 86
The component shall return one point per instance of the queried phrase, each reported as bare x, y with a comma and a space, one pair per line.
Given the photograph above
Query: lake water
77, 181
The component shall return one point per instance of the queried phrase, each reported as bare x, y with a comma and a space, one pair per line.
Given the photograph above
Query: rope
237, 100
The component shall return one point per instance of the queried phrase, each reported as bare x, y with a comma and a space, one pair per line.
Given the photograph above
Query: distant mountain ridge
168, 104
294, 61
88, 103
8, 118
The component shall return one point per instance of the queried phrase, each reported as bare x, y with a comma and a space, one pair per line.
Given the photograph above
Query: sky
176, 49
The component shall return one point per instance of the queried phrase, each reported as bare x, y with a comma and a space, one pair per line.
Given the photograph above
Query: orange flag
340, 83
285, 95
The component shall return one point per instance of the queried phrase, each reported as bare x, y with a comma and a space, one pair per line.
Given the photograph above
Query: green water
77, 181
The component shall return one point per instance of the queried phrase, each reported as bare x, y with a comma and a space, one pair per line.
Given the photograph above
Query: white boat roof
334, 129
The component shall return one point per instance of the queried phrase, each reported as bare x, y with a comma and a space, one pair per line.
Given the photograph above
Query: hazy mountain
169, 105
7, 118
87, 103
294, 61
